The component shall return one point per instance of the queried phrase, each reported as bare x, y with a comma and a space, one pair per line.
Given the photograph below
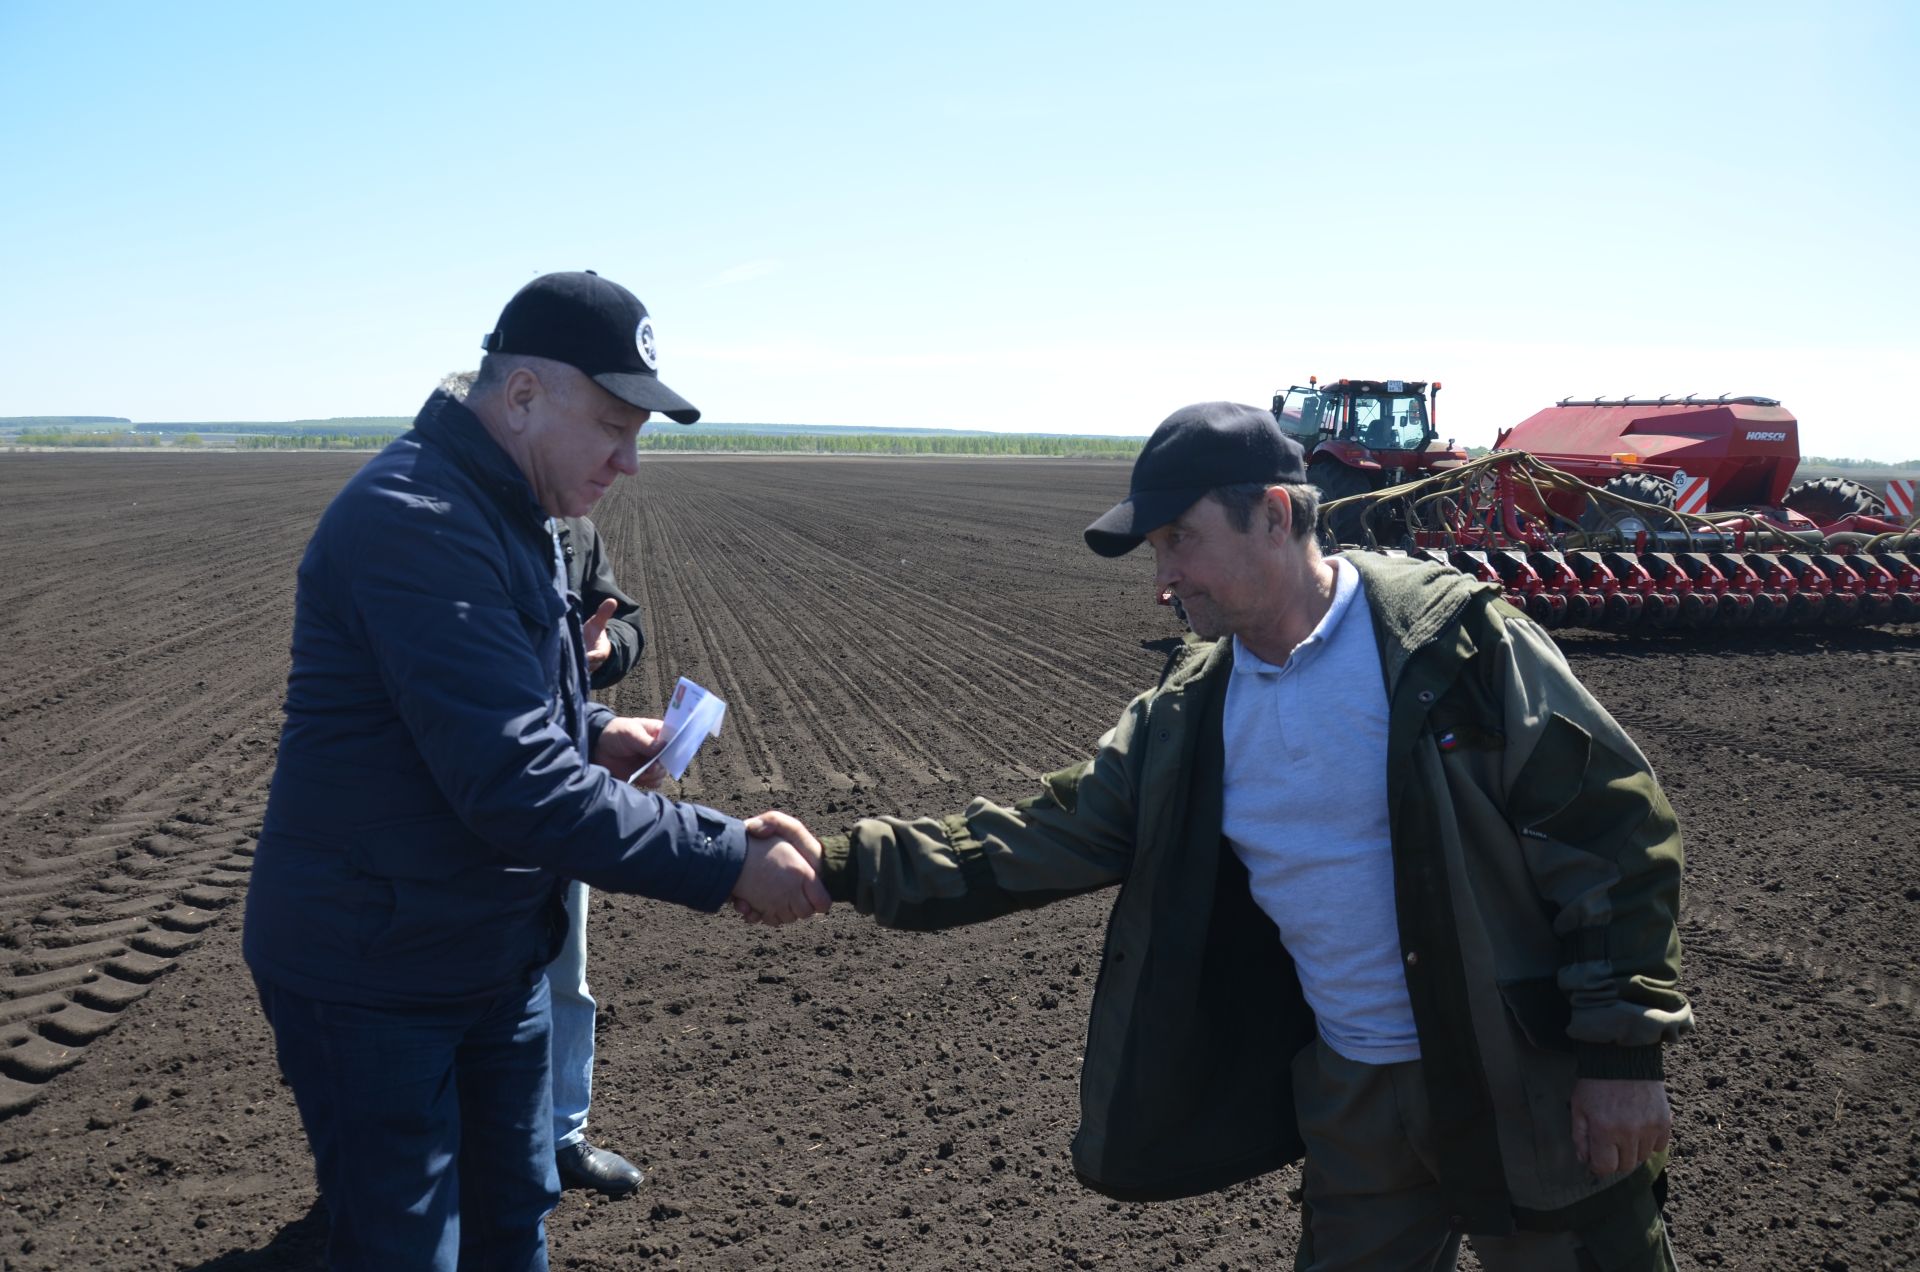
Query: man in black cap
442, 774
1396, 894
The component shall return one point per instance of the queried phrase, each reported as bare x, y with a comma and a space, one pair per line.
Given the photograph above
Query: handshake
781, 881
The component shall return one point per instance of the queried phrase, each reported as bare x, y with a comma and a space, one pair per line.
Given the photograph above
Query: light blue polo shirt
1306, 811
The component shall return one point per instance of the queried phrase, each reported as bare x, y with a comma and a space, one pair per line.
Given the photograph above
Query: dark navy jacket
433, 787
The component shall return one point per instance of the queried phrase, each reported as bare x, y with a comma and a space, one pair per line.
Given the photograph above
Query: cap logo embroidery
644, 338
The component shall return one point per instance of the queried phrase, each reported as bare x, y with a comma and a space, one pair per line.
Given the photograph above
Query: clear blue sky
1055, 217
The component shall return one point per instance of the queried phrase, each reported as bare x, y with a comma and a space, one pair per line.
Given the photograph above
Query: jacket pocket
1544, 1059
1542, 1011
543, 615
432, 847
1555, 773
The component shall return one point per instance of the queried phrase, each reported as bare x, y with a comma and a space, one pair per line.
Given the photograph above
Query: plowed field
893, 635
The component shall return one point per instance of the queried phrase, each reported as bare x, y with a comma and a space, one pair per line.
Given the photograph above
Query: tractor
1364, 435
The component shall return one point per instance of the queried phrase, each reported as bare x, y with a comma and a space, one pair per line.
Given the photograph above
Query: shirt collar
1346, 581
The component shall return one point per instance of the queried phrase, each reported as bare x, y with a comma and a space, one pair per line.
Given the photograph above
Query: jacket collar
449, 426
1413, 603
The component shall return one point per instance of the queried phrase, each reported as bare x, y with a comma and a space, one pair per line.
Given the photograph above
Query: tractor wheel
1337, 481
1628, 522
1832, 499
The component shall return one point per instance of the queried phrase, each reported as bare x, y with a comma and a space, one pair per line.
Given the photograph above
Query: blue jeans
429, 1127
573, 1009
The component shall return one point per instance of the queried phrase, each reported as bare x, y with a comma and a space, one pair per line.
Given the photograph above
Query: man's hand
594, 633
1619, 1123
627, 743
781, 880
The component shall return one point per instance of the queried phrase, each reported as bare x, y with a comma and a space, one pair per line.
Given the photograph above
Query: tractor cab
1378, 415
1362, 436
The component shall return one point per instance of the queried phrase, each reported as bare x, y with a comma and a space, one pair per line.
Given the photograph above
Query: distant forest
881, 443
387, 426
12, 423
92, 437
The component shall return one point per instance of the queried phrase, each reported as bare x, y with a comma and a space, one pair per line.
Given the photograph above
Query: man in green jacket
1396, 894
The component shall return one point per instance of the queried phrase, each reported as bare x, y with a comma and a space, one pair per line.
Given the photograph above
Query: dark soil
896, 636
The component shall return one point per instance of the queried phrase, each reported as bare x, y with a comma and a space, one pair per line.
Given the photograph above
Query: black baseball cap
1194, 450
597, 325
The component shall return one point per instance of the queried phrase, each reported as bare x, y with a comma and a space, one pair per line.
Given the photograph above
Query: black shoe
584, 1166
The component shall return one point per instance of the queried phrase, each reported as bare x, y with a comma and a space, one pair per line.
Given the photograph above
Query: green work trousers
1372, 1203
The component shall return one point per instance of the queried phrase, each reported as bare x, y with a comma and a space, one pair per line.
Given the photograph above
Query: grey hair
457, 384
495, 368
493, 373
1242, 498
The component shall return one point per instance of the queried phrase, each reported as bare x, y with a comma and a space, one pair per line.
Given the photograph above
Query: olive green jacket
1537, 879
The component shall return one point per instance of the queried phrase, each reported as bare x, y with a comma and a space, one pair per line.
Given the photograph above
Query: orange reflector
1625, 457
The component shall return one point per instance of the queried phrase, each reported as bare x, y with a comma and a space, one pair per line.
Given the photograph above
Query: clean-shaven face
1221, 575
579, 441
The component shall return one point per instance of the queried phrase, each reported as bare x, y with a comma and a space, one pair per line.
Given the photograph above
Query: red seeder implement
1573, 553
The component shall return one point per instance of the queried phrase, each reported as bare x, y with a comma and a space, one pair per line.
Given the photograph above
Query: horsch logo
1762, 435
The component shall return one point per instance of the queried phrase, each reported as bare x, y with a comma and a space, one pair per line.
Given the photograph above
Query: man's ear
521, 390
1279, 512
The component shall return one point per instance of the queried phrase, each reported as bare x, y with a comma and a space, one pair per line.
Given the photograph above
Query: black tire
1337, 481
1832, 499
1628, 522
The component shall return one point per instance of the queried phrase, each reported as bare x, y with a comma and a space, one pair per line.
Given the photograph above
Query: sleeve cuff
1644, 1064
725, 843
838, 873
599, 716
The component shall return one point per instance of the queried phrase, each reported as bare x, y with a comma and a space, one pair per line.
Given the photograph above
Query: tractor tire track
78, 965
1851, 768
135, 752
161, 731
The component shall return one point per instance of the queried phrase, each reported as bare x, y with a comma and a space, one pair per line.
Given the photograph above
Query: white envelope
693, 716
